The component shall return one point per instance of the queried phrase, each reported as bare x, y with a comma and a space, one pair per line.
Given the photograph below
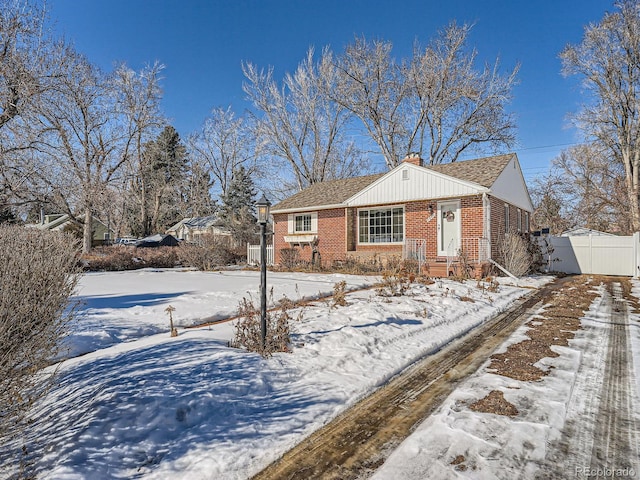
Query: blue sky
203, 43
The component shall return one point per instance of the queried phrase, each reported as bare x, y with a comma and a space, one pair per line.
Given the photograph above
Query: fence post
636, 254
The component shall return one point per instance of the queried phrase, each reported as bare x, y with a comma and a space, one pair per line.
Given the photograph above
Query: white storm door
448, 228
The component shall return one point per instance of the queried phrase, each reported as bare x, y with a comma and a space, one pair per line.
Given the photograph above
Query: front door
448, 228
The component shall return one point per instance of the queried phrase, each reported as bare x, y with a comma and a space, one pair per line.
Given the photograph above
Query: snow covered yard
143, 404
554, 433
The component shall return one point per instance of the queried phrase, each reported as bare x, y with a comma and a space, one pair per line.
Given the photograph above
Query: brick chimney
413, 158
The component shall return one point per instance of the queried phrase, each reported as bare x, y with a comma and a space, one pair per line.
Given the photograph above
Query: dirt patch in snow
558, 324
495, 403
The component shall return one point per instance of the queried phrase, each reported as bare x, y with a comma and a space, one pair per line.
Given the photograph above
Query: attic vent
405, 174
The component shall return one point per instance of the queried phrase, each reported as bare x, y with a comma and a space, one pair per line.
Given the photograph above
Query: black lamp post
263, 217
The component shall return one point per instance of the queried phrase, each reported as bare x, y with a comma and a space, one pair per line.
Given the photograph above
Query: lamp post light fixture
263, 206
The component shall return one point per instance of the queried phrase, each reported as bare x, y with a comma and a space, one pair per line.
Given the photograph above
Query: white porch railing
415, 249
253, 254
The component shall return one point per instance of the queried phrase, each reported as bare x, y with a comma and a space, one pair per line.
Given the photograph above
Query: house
101, 234
436, 214
584, 232
189, 229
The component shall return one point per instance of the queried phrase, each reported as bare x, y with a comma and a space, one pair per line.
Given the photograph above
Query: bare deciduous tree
593, 187
38, 274
607, 59
452, 106
552, 208
300, 125
79, 141
28, 59
138, 99
437, 103
224, 143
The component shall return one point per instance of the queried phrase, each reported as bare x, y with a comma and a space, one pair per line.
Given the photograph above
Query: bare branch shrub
394, 283
514, 254
118, 258
465, 267
248, 333
289, 258
38, 274
339, 294
208, 253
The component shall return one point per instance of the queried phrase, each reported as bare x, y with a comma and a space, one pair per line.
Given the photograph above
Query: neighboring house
61, 222
584, 232
430, 213
189, 229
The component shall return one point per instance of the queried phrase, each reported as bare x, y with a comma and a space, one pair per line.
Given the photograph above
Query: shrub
248, 332
514, 254
121, 257
38, 274
208, 253
339, 294
289, 258
395, 283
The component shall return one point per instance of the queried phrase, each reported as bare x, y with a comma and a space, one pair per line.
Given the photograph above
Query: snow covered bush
38, 274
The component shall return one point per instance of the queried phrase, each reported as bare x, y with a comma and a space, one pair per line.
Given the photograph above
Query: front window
303, 223
382, 225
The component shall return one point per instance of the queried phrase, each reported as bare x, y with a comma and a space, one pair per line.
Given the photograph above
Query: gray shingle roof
483, 171
322, 194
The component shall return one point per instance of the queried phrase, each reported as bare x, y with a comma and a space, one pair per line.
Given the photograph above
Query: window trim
382, 208
302, 216
291, 220
507, 222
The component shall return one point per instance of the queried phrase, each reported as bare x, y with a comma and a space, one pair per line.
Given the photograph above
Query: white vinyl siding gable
409, 183
511, 187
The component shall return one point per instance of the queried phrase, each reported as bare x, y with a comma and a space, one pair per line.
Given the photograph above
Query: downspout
486, 214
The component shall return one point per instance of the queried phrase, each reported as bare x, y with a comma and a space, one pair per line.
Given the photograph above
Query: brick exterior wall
337, 229
498, 222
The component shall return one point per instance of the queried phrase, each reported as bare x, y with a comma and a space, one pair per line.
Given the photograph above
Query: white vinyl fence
595, 254
253, 254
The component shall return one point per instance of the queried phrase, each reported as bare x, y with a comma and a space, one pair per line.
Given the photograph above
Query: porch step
439, 269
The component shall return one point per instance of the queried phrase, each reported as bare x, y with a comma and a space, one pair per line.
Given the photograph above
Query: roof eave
308, 209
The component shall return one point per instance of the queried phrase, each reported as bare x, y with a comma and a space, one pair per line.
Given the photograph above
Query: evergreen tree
161, 183
238, 207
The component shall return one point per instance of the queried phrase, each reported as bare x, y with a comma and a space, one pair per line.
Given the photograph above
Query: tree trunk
87, 231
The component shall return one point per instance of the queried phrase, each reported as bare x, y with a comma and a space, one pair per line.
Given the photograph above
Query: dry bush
339, 294
38, 274
120, 257
208, 253
395, 283
289, 258
514, 254
248, 333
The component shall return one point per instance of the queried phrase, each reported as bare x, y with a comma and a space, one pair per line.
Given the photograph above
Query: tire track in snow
615, 444
601, 429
